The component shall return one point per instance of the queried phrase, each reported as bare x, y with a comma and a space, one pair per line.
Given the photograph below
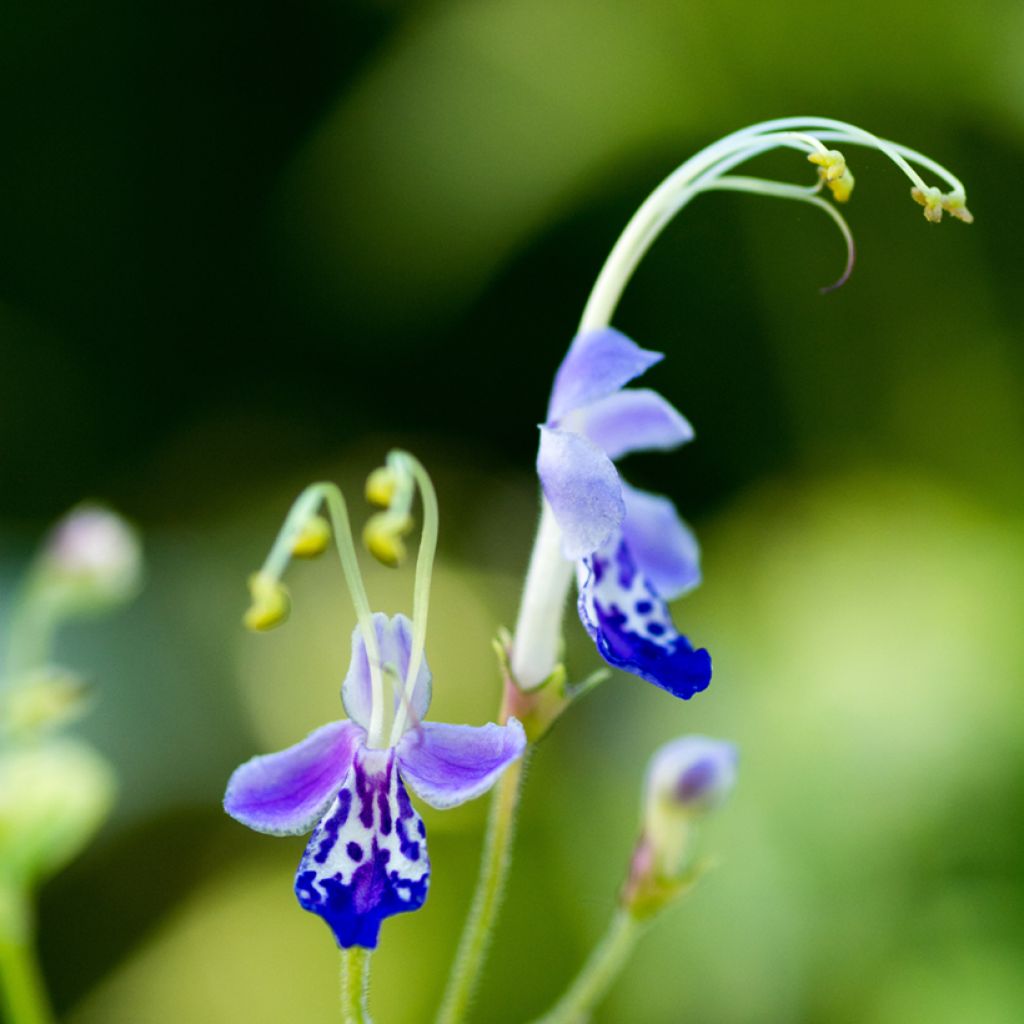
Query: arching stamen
410, 465
701, 171
761, 187
305, 508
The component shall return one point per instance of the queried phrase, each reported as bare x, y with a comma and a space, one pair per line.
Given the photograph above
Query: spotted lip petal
447, 765
394, 639
287, 792
367, 859
631, 626
597, 364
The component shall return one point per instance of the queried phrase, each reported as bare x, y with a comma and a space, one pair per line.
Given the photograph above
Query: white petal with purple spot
631, 626
367, 859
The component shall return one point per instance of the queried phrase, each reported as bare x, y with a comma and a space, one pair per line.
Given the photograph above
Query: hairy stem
23, 997
599, 972
355, 985
490, 886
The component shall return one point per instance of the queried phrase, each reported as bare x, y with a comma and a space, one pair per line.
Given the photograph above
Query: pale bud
93, 556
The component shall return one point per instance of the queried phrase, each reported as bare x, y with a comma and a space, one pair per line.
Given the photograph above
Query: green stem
22, 992
490, 886
599, 972
355, 985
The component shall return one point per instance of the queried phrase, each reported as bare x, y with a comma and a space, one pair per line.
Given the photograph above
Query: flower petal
367, 858
583, 489
394, 638
634, 420
285, 793
447, 765
662, 545
631, 626
598, 363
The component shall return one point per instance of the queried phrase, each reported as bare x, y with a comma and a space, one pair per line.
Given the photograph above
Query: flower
367, 857
94, 549
632, 551
687, 779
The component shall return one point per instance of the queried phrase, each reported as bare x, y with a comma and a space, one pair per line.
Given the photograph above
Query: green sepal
645, 897
538, 708
43, 700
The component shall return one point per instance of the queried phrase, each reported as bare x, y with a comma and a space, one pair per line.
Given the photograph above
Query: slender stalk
490, 886
355, 985
539, 627
22, 992
599, 972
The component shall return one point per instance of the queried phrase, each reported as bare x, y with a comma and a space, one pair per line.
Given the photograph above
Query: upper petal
662, 545
597, 363
634, 420
394, 640
449, 764
583, 489
285, 793
631, 625
367, 858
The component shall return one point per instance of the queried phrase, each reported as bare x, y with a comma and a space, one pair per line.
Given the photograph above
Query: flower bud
313, 538
686, 780
91, 560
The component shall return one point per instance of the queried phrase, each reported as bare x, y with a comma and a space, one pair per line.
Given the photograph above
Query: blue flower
367, 856
632, 551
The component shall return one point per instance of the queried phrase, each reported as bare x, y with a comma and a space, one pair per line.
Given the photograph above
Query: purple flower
367, 856
632, 551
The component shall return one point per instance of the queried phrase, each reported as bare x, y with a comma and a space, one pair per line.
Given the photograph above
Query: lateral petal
662, 545
285, 793
634, 420
447, 765
598, 363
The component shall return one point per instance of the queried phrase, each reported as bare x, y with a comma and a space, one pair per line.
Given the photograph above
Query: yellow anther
382, 536
270, 603
313, 538
955, 205
831, 162
381, 485
933, 201
841, 187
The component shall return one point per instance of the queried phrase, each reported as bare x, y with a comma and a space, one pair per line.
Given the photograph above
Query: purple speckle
385, 810
644, 607
624, 562
354, 851
655, 629
696, 779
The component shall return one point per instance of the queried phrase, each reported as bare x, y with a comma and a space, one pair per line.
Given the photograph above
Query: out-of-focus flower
632, 551
687, 779
91, 560
367, 856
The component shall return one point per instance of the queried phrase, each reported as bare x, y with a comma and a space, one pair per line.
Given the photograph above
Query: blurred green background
246, 245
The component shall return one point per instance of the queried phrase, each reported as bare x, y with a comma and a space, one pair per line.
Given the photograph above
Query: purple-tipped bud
686, 779
693, 774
